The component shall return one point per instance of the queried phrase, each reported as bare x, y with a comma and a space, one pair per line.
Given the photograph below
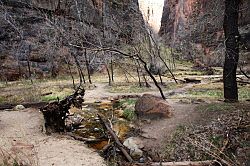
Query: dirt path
100, 92
156, 133
21, 137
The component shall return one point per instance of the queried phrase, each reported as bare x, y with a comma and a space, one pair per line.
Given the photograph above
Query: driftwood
45, 94
56, 112
185, 163
181, 81
87, 140
243, 82
116, 139
26, 105
192, 80
216, 81
106, 147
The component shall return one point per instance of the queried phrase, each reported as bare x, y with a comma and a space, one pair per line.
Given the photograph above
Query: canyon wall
195, 28
36, 34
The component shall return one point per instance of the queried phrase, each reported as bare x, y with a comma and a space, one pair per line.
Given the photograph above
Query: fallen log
116, 139
192, 80
106, 147
181, 81
185, 163
87, 140
243, 82
216, 81
45, 94
26, 105
7, 106
56, 112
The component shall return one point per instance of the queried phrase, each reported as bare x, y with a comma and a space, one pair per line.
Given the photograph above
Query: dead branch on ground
185, 163
116, 139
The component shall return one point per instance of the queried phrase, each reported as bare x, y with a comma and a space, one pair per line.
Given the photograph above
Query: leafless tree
232, 38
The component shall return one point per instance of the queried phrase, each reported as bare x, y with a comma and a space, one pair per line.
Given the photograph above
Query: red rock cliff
196, 27
29, 32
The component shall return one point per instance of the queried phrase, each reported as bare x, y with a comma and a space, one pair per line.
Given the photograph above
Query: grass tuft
129, 114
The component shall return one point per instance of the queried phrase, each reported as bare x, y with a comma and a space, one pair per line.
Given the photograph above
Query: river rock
19, 107
134, 145
152, 107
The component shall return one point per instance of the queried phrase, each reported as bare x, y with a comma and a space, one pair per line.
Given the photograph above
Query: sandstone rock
19, 107
152, 107
38, 44
134, 145
182, 21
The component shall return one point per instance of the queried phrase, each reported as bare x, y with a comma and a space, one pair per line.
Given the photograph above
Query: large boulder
152, 107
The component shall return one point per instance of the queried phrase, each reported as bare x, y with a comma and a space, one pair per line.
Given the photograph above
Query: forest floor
194, 105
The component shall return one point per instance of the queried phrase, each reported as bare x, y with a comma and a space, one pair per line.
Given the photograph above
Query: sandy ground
21, 134
22, 139
156, 133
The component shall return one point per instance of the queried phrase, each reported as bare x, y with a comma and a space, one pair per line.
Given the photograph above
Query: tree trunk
145, 80
107, 69
73, 80
28, 61
138, 72
167, 67
87, 65
81, 75
151, 76
232, 50
112, 68
159, 73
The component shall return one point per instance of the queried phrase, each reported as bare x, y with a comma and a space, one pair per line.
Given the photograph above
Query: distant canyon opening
152, 11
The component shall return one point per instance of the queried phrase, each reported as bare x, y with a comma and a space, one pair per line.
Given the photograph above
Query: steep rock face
195, 27
37, 33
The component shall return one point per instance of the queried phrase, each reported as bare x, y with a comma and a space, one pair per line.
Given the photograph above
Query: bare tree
87, 65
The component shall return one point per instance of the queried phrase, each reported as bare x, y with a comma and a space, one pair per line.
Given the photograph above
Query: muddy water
91, 127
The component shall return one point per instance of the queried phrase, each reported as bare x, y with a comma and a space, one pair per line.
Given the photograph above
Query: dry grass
15, 158
220, 133
212, 91
24, 91
128, 88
